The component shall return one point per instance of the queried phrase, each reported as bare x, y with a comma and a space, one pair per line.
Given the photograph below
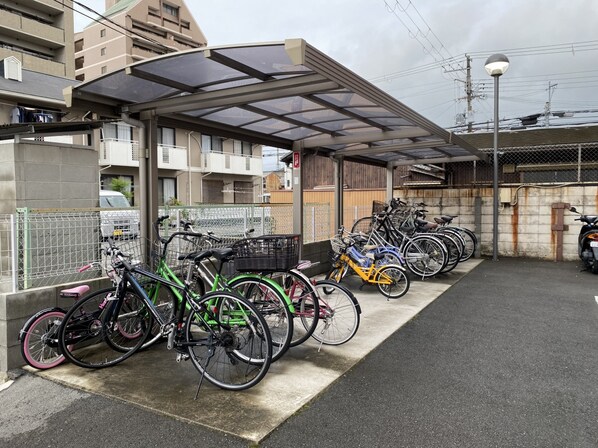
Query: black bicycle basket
268, 253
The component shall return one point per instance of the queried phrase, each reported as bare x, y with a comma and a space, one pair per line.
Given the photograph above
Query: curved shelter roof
283, 94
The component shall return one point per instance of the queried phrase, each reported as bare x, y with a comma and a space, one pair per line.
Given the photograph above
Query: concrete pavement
503, 358
153, 380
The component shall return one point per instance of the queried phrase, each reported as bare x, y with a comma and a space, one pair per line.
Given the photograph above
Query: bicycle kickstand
203, 372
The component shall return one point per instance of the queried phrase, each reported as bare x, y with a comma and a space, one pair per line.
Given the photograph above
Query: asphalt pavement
505, 357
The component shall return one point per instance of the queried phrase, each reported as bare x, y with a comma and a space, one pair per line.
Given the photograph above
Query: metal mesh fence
47, 247
547, 164
565, 163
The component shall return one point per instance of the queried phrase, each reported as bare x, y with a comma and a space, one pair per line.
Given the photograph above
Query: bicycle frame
370, 275
180, 290
216, 280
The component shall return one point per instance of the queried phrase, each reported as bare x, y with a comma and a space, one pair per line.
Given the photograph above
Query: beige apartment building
193, 167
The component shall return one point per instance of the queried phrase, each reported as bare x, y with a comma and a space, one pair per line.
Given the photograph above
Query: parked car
117, 218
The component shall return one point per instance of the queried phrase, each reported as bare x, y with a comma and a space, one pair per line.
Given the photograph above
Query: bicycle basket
268, 253
337, 245
378, 207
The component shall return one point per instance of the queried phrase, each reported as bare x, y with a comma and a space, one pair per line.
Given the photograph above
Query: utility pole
547, 106
469, 94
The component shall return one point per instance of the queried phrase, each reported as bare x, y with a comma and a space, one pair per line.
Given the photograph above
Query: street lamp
496, 65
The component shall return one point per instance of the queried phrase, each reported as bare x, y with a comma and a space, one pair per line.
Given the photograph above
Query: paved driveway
505, 357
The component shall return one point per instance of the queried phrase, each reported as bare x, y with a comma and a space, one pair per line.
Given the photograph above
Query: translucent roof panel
297, 133
234, 116
270, 126
270, 60
288, 105
191, 69
318, 116
345, 99
128, 89
278, 94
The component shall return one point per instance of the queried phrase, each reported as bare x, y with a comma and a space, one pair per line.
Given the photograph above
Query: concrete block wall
16, 308
525, 219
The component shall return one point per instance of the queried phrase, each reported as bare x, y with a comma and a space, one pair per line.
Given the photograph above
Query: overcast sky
547, 42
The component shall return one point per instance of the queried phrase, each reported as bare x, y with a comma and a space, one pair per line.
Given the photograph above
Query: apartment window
103, 32
237, 147
242, 148
104, 69
185, 24
103, 51
118, 131
153, 11
166, 190
166, 136
210, 143
169, 9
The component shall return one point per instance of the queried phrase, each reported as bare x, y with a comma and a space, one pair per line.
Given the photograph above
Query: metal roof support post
339, 169
148, 177
389, 181
298, 189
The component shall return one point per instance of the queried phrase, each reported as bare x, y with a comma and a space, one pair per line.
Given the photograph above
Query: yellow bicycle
390, 279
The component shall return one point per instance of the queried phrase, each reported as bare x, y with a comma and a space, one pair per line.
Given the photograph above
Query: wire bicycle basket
268, 253
337, 245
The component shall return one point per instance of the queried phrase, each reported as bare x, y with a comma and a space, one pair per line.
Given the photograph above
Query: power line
422, 36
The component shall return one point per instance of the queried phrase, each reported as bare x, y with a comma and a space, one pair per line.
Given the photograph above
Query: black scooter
587, 242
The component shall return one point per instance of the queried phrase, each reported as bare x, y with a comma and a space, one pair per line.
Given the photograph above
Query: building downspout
145, 227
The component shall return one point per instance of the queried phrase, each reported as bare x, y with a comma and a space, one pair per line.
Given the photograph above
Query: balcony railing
215, 162
126, 153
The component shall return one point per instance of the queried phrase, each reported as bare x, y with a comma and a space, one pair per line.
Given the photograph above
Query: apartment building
39, 168
193, 167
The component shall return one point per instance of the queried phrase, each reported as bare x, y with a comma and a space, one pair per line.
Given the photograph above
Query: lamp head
497, 64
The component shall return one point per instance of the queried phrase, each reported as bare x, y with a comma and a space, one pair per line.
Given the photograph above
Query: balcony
126, 153
34, 31
215, 162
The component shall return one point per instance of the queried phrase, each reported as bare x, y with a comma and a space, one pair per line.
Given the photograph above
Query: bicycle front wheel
338, 271
101, 329
165, 304
305, 302
339, 313
228, 341
273, 305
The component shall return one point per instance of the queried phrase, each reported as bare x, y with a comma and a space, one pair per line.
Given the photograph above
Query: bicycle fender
35, 316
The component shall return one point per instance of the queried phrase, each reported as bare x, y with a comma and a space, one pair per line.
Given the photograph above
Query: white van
118, 218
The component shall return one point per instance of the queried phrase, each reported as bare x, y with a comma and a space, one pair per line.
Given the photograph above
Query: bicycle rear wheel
39, 339
231, 348
101, 330
393, 281
453, 251
470, 239
273, 305
425, 256
339, 313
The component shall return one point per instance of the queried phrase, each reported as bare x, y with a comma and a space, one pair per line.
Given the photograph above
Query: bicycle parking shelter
284, 94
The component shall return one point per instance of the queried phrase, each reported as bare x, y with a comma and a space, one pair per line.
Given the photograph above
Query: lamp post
496, 65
